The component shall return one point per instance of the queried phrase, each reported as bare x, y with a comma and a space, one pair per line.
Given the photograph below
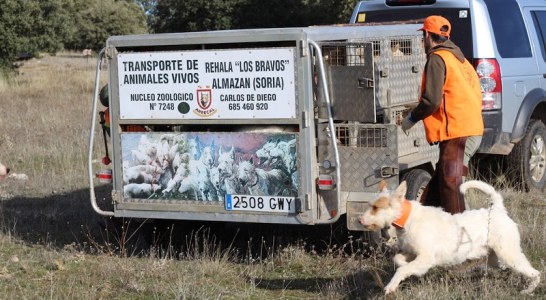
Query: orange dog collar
401, 221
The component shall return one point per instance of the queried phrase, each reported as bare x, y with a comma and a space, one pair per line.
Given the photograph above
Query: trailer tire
527, 160
416, 180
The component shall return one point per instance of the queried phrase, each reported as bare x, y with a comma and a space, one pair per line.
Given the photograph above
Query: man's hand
407, 123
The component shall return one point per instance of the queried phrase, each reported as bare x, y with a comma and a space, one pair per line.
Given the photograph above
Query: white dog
429, 237
224, 176
198, 178
5, 173
181, 173
260, 182
140, 173
140, 190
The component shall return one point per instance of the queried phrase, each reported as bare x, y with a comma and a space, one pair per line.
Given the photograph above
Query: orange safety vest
107, 117
460, 112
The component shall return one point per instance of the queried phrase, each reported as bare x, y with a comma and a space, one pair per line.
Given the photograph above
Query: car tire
527, 161
416, 180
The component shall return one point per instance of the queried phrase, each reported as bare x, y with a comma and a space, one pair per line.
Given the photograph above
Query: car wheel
527, 161
416, 180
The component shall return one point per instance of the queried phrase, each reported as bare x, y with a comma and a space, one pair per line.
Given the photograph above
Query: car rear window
461, 32
509, 28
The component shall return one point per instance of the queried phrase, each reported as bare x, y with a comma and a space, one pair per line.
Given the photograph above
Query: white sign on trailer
222, 84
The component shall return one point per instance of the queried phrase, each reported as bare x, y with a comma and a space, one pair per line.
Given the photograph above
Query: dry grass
52, 244
45, 120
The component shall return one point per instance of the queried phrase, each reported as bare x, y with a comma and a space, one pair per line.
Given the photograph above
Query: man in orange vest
450, 107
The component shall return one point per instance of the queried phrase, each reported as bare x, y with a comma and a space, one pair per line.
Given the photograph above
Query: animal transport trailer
290, 126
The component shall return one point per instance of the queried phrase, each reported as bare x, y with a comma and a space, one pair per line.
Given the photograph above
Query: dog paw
390, 288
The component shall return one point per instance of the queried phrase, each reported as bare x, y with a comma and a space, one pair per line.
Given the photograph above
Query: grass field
54, 246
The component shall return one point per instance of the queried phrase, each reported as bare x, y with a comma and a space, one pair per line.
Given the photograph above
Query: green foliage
289, 13
193, 15
149, 7
20, 26
54, 27
8, 36
196, 15
96, 20
34, 26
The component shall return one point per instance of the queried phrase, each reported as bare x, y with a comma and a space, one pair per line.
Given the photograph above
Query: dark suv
506, 42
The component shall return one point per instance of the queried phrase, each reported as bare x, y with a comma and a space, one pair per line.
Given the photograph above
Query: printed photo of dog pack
207, 166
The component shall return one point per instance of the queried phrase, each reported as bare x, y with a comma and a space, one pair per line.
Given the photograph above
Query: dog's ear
383, 186
231, 152
383, 190
400, 193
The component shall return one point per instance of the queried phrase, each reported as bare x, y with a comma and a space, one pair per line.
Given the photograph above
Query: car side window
509, 28
539, 17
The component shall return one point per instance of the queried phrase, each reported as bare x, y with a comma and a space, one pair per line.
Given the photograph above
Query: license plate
261, 203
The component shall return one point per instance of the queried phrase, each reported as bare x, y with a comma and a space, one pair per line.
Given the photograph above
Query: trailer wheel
417, 180
527, 160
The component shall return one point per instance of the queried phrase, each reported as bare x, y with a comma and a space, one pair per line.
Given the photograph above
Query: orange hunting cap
434, 23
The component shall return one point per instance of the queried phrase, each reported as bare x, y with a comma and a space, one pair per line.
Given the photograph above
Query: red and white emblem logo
204, 98
204, 103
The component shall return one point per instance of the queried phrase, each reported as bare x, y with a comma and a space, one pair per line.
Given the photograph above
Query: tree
196, 15
55, 25
30, 27
149, 7
289, 13
8, 36
96, 20
193, 15
34, 26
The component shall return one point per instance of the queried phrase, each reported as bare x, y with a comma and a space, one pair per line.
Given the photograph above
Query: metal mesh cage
358, 136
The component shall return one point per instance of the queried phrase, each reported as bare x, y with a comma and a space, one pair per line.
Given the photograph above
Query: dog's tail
496, 198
